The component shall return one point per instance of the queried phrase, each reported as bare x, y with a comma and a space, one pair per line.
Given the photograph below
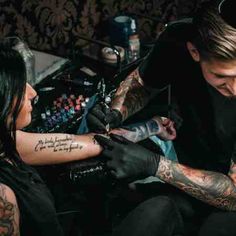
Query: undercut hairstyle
12, 92
214, 38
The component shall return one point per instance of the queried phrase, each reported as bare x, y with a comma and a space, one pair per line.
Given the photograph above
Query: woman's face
24, 116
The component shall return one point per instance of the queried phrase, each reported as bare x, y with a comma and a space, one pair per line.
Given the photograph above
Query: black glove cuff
118, 117
114, 118
155, 164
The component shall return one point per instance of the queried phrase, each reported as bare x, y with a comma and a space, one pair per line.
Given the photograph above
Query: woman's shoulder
6, 193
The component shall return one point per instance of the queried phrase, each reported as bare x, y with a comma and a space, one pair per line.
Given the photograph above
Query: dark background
54, 25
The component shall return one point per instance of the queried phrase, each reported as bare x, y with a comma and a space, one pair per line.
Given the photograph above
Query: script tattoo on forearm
9, 213
140, 131
94, 141
131, 96
211, 187
56, 144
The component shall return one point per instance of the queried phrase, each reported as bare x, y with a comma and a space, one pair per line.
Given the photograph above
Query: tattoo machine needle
107, 128
106, 99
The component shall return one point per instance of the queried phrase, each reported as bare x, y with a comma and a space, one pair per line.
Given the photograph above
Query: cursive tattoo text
66, 144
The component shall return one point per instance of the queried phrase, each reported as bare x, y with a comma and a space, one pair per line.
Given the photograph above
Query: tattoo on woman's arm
58, 144
95, 141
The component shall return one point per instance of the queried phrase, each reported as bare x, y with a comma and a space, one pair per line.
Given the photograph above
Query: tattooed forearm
131, 96
139, 131
9, 215
66, 144
211, 187
94, 141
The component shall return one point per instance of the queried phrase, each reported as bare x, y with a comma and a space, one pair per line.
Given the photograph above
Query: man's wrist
153, 127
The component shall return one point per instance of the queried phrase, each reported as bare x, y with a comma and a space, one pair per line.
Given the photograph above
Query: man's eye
220, 76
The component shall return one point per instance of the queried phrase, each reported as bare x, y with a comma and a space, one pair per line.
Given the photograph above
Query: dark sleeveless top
35, 202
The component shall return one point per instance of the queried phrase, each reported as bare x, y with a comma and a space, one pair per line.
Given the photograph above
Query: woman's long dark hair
12, 91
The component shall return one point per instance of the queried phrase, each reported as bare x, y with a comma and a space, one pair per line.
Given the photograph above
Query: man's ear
193, 51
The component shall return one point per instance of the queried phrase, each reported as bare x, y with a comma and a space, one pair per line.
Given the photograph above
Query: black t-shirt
37, 211
207, 129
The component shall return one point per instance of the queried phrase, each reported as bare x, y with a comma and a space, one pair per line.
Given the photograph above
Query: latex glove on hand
128, 160
101, 118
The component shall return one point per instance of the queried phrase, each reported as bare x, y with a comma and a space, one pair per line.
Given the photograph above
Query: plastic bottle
134, 42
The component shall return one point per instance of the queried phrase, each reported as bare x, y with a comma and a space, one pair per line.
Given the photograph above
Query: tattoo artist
197, 57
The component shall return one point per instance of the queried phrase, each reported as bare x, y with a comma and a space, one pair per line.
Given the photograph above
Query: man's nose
232, 85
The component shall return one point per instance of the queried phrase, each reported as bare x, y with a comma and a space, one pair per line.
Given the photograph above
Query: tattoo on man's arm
56, 144
211, 187
141, 131
8, 216
131, 96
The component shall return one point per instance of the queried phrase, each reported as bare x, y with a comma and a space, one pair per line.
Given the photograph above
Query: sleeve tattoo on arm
139, 131
211, 187
131, 96
9, 215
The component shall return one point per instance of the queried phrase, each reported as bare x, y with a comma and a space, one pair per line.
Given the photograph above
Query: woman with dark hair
26, 205
24, 198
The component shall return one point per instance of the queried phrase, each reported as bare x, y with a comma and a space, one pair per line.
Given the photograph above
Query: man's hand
102, 118
127, 159
166, 129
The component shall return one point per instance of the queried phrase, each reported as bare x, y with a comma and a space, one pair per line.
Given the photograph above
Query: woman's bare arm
55, 148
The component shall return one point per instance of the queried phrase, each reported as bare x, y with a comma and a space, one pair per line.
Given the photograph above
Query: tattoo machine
105, 97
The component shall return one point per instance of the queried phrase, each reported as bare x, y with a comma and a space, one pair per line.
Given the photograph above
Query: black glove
233, 157
101, 115
127, 159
